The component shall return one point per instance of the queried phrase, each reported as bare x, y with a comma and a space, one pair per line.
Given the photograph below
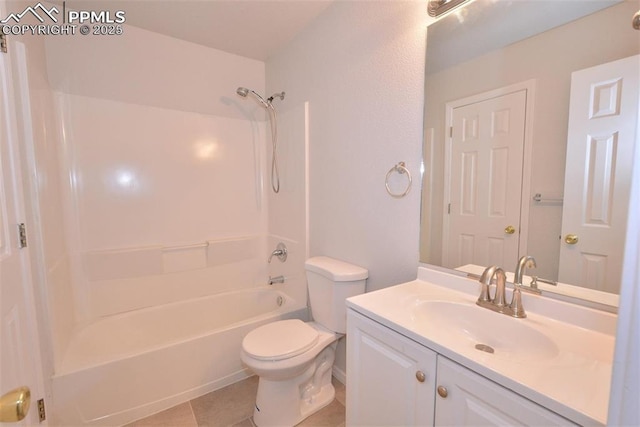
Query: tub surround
168, 219
572, 379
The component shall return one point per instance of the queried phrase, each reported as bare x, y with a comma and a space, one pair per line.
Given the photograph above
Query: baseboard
340, 375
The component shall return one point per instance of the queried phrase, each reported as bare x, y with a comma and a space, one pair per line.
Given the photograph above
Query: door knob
420, 376
571, 239
509, 229
14, 405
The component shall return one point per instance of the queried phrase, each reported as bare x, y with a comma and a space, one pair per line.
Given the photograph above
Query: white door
19, 356
483, 199
602, 132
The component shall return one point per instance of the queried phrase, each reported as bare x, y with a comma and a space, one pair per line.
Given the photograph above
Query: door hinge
42, 415
449, 208
22, 235
451, 132
3, 43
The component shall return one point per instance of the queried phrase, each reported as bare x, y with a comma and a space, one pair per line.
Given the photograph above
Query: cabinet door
472, 400
390, 378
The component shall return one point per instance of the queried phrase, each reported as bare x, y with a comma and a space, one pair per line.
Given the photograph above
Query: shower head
243, 92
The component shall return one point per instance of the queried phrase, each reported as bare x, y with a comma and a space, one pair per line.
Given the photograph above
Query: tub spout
277, 279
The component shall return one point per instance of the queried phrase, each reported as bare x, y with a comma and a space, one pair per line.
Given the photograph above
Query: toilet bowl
294, 380
294, 359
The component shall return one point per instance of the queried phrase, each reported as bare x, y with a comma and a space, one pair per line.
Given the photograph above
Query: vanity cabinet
466, 398
392, 380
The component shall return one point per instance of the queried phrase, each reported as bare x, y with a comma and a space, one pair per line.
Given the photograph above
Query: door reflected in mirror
525, 153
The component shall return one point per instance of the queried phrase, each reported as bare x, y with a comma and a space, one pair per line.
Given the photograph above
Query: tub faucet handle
280, 252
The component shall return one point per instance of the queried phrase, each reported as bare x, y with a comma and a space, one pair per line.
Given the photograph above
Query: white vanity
423, 353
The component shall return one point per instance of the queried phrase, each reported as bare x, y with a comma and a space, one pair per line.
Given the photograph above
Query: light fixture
438, 7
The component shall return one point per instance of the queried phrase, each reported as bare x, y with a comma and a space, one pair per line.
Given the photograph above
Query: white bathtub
131, 365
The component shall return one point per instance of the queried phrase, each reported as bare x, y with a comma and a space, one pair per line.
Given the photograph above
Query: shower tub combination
134, 364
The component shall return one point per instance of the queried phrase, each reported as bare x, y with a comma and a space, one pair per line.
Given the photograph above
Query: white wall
361, 67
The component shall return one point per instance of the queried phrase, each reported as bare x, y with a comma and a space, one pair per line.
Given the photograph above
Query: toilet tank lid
336, 270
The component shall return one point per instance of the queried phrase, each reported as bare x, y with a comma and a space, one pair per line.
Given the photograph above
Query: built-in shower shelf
125, 263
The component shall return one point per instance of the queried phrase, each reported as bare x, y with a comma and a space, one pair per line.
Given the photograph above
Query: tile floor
232, 406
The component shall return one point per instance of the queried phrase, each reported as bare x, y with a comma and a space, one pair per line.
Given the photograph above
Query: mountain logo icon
39, 11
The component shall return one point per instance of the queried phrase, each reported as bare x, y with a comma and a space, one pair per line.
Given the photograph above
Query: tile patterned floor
232, 406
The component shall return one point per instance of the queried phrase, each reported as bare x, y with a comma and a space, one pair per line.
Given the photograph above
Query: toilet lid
280, 340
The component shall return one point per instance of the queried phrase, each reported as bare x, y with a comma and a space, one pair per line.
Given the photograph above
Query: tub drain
279, 301
485, 348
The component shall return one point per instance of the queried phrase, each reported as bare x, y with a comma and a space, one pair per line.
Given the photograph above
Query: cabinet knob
442, 391
420, 376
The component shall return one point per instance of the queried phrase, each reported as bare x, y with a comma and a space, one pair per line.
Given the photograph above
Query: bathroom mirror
486, 53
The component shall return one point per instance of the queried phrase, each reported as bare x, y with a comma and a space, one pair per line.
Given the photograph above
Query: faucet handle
485, 280
536, 279
501, 283
517, 310
280, 252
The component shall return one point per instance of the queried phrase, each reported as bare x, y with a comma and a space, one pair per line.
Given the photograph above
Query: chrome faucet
485, 299
498, 302
280, 252
526, 261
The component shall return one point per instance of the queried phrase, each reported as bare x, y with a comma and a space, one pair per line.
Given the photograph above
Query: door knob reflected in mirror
571, 239
14, 405
509, 229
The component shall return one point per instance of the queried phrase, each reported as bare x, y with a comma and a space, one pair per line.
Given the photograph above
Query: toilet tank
330, 283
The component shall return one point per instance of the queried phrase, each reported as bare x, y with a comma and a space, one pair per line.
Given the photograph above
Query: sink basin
483, 330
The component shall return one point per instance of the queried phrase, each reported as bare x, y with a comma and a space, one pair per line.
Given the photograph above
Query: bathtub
131, 365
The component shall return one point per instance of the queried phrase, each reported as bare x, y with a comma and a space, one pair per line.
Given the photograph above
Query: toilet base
288, 402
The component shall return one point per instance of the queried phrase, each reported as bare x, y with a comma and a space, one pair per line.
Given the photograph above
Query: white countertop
573, 381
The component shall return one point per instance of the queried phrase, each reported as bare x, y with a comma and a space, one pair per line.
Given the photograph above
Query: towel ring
401, 169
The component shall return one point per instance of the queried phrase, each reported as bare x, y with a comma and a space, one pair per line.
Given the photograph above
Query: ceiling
250, 28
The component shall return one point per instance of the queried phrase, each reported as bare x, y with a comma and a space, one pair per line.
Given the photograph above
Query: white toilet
294, 359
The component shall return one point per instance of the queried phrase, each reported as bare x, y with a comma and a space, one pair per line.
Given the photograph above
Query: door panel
602, 119
486, 162
19, 356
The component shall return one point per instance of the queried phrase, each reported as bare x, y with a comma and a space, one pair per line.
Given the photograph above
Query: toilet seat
280, 340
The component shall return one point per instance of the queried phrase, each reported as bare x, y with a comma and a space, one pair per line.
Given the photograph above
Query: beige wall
360, 65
